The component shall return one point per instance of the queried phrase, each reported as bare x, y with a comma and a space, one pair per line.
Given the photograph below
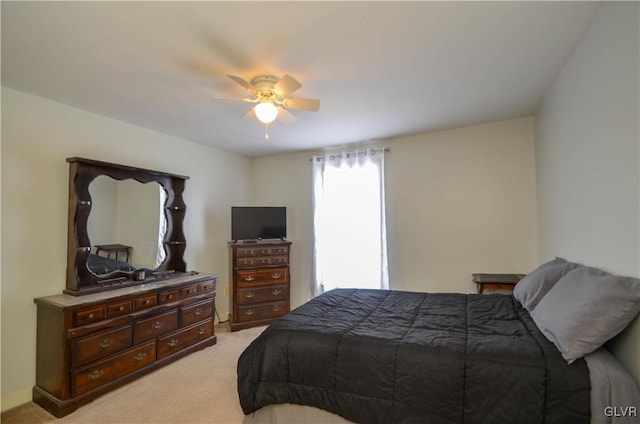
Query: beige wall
458, 202
587, 155
37, 136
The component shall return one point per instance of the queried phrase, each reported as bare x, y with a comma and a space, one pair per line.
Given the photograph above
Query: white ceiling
381, 69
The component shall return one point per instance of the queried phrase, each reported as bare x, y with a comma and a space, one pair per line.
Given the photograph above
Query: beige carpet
200, 388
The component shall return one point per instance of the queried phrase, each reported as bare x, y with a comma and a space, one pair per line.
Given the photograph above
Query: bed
378, 356
103, 265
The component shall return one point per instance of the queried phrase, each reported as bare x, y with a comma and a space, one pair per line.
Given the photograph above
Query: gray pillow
532, 288
586, 308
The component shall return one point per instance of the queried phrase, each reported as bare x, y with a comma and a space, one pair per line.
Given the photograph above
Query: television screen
258, 222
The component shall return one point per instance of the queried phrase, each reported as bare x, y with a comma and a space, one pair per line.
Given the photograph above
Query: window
349, 222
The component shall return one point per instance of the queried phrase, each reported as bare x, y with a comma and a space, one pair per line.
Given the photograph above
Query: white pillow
586, 308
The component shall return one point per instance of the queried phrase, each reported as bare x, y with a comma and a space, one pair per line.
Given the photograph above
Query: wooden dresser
88, 345
260, 283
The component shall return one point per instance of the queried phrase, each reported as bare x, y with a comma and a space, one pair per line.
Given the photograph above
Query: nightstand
496, 281
115, 249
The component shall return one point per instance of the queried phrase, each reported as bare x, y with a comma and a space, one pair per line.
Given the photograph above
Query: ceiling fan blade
250, 113
285, 116
286, 85
302, 104
235, 99
242, 82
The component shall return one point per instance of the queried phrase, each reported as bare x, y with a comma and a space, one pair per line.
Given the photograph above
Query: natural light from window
349, 225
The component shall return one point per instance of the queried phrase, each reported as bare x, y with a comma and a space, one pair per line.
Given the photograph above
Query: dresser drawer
269, 261
251, 295
89, 315
280, 250
262, 276
207, 286
243, 252
182, 339
194, 313
158, 325
119, 308
98, 346
278, 260
168, 296
245, 262
262, 261
96, 375
188, 291
264, 311
145, 302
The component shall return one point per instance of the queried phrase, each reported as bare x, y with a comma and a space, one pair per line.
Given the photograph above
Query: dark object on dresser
88, 345
496, 281
260, 291
380, 356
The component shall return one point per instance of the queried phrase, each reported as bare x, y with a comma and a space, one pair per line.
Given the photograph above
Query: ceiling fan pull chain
266, 131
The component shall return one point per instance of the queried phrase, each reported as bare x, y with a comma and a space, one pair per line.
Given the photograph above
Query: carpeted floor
200, 388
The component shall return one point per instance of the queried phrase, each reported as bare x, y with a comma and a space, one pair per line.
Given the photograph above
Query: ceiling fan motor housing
264, 83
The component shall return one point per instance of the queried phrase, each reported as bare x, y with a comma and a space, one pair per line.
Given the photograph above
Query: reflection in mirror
126, 225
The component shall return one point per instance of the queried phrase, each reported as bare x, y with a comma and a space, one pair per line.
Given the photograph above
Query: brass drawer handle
276, 292
275, 309
140, 356
274, 276
170, 296
249, 312
91, 316
105, 343
197, 312
201, 331
249, 278
121, 308
146, 302
156, 325
249, 295
173, 343
96, 375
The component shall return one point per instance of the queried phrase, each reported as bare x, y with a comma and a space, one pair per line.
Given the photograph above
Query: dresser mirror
123, 222
129, 214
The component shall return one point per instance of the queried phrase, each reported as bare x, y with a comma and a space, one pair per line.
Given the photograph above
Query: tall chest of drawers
260, 283
88, 345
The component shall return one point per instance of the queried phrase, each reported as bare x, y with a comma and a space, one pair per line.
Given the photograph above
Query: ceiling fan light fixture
266, 112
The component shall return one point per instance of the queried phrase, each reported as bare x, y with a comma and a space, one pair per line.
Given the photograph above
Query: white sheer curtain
162, 228
349, 223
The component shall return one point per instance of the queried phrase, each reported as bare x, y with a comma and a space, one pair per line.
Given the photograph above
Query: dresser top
259, 243
66, 300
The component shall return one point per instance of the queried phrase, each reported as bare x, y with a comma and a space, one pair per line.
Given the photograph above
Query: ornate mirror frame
80, 279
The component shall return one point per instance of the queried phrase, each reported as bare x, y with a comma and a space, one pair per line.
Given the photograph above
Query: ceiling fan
272, 98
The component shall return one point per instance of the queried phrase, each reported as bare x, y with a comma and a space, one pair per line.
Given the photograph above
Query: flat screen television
258, 222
